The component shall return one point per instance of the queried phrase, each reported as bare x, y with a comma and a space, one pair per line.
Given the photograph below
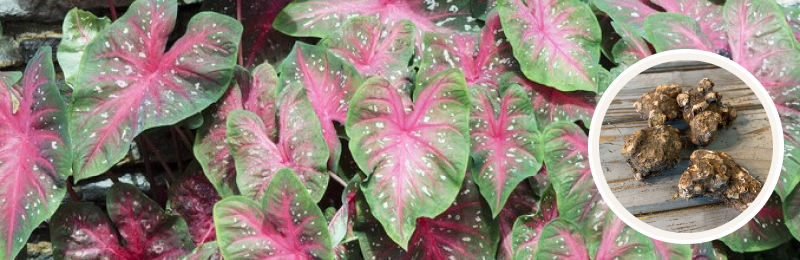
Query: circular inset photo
687, 141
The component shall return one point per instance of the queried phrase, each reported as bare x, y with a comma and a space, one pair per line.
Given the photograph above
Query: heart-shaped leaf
708, 15
631, 47
35, 157
482, 58
791, 212
79, 28
318, 18
503, 142
551, 105
668, 31
619, 241
192, 197
414, 153
631, 12
329, 83
373, 47
523, 201
528, 229
254, 92
135, 228
287, 224
559, 239
557, 43
259, 154
765, 231
128, 84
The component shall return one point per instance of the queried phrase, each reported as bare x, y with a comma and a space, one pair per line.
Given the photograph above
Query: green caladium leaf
260, 152
286, 224
527, 229
791, 212
765, 231
79, 28
35, 157
631, 48
503, 146
128, 84
668, 31
206, 251
551, 105
413, 151
522, 202
713, 250
557, 43
631, 12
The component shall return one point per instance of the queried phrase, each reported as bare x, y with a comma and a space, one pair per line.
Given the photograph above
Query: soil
705, 113
652, 150
716, 174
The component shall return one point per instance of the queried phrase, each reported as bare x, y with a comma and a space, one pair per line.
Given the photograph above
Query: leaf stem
337, 179
74, 195
239, 18
112, 176
160, 158
113, 8
177, 148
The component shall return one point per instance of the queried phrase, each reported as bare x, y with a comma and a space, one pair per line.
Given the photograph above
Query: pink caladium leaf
193, 197
414, 153
631, 12
713, 250
503, 148
708, 15
765, 231
560, 239
464, 231
793, 18
35, 157
631, 47
136, 228
207, 251
329, 83
318, 18
527, 230
79, 28
483, 58
764, 45
298, 145
286, 224
522, 202
557, 43
669, 31
373, 47
254, 92
619, 241
551, 105
128, 84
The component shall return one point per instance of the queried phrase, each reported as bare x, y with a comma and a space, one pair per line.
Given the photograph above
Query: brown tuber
705, 113
659, 104
715, 174
652, 150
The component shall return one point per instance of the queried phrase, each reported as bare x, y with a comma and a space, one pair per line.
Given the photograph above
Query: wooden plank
691, 220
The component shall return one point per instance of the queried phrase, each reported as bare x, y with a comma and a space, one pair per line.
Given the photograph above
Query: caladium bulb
260, 152
375, 48
35, 156
557, 43
631, 47
483, 58
503, 146
464, 231
253, 91
136, 228
128, 84
524, 238
285, 224
318, 18
414, 152
668, 31
329, 84
79, 28
192, 196
765, 231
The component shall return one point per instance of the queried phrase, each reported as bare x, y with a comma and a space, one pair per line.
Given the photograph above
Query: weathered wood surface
748, 141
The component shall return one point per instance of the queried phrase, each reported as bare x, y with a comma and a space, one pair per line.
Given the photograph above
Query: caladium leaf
551, 105
557, 43
765, 231
793, 18
522, 202
128, 84
318, 18
135, 228
482, 58
619, 241
414, 154
481, 8
791, 212
207, 251
528, 229
503, 146
709, 251
193, 197
789, 177
631, 47
286, 224
669, 31
254, 92
373, 47
299, 145
559, 239
34, 151
708, 16
631, 12
79, 28
329, 83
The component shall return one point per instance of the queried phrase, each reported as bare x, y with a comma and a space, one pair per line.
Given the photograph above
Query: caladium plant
127, 83
79, 28
669, 31
135, 228
285, 224
35, 157
193, 197
550, 105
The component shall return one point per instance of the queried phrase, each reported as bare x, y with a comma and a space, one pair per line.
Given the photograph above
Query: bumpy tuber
715, 174
705, 113
659, 105
652, 150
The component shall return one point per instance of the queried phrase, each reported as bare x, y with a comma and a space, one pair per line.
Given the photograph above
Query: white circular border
682, 55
